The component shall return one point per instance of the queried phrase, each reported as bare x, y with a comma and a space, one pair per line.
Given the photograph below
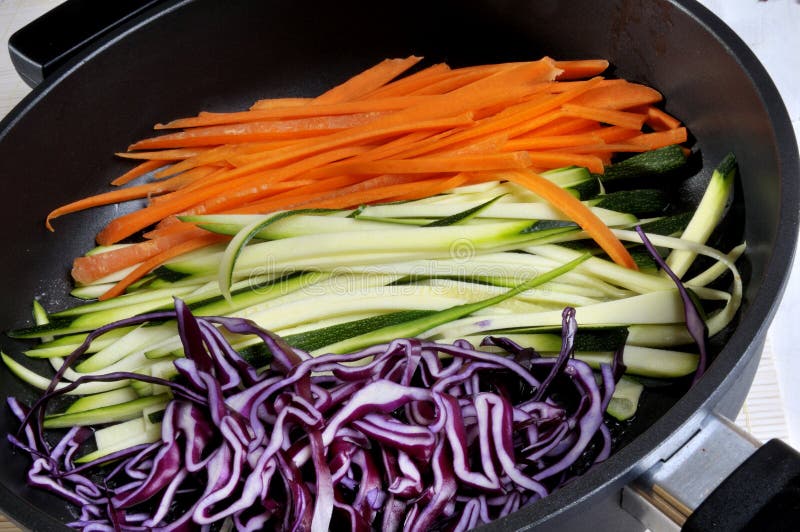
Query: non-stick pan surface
189, 55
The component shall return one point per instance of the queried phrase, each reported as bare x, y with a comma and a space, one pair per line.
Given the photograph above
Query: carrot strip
567, 126
424, 189
306, 111
622, 95
357, 186
256, 131
660, 120
412, 82
659, 139
598, 148
138, 171
615, 133
552, 159
453, 163
368, 80
157, 260
576, 211
220, 154
165, 155
90, 268
504, 86
541, 143
117, 196
514, 120
130, 223
271, 103
433, 188
581, 68
616, 118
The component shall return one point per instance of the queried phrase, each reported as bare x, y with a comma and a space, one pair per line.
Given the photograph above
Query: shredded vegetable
411, 434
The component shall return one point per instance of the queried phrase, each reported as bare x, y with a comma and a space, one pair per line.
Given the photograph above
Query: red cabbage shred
410, 435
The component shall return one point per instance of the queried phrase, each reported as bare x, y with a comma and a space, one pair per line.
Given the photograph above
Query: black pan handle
761, 494
67, 30
722, 480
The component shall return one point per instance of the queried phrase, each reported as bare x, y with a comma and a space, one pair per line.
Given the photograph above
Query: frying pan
175, 57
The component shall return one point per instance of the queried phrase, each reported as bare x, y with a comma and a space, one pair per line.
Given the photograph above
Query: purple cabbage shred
410, 435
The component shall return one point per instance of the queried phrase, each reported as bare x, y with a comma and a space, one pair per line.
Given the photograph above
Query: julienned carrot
269, 103
623, 95
257, 131
221, 155
576, 211
659, 139
117, 196
130, 223
581, 68
535, 142
410, 83
433, 129
608, 116
139, 170
177, 154
567, 126
515, 120
368, 80
660, 120
615, 133
424, 188
453, 163
157, 260
552, 159
90, 268
306, 111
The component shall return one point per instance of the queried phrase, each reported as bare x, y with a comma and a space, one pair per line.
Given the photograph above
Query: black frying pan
180, 56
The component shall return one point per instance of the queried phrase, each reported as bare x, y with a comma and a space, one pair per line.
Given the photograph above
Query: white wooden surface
772, 29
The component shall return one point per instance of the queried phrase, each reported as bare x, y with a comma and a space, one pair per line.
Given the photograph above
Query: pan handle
67, 30
721, 479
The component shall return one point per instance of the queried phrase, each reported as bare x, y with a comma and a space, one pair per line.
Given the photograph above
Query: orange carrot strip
660, 120
306, 111
515, 120
138, 171
533, 142
344, 201
433, 188
368, 80
218, 154
601, 147
117, 196
90, 268
576, 211
551, 159
567, 126
581, 68
256, 131
659, 139
457, 163
221, 185
616, 118
157, 260
615, 133
166, 155
621, 95
507, 86
255, 162
271, 103
413, 82
358, 186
